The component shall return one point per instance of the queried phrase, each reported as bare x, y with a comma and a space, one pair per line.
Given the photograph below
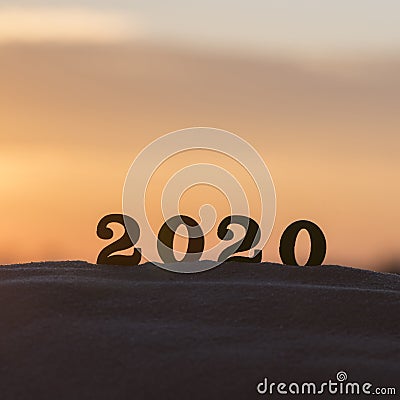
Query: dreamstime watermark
175, 180
340, 386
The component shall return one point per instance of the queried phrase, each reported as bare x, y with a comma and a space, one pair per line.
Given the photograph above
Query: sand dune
76, 330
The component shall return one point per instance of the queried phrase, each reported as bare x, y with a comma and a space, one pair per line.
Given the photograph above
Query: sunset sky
313, 85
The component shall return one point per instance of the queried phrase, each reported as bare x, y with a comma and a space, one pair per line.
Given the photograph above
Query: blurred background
313, 85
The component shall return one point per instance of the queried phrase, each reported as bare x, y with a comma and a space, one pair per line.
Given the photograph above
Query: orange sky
73, 118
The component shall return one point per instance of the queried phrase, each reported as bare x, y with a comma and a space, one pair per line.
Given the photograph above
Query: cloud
65, 24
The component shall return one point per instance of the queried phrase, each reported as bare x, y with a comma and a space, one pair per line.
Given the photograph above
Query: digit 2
124, 242
249, 241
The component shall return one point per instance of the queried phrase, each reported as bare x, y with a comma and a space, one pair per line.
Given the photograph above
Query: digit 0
288, 243
165, 242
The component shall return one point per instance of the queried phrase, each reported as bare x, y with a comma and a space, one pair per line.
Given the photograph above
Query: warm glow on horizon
79, 99
73, 126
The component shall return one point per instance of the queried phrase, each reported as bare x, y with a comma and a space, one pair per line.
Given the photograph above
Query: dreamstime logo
340, 387
341, 376
174, 165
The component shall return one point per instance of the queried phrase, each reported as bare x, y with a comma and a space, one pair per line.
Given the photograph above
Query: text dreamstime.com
330, 387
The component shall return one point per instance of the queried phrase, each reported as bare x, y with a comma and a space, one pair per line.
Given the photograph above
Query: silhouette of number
288, 242
123, 243
249, 241
165, 242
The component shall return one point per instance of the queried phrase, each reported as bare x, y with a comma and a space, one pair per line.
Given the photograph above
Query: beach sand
73, 330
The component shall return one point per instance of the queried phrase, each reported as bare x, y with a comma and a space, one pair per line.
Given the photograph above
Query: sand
72, 330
